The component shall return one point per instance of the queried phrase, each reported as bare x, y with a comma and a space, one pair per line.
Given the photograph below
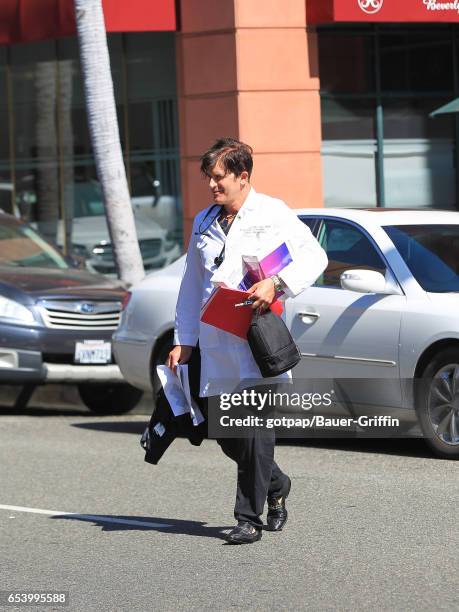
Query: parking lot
372, 525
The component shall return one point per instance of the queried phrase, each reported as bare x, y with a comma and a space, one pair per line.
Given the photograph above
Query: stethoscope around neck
218, 260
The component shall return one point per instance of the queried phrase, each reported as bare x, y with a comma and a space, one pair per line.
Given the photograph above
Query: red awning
29, 20
404, 11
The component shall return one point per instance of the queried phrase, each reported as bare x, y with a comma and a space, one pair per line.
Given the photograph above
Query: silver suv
56, 321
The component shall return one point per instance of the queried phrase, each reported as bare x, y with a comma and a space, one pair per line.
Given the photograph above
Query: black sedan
56, 322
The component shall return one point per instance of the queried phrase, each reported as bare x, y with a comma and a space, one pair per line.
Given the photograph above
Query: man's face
225, 186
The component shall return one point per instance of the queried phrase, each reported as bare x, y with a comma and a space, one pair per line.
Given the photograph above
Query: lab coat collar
250, 203
243, 217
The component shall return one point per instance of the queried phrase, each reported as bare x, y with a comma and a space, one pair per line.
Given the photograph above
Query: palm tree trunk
66, 146
103, 128
47, 175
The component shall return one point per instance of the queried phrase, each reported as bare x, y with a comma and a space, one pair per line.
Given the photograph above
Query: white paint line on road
85, 517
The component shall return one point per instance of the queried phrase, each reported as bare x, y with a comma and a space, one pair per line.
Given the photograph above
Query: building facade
335, 97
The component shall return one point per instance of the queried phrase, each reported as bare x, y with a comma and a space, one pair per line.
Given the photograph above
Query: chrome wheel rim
443, 404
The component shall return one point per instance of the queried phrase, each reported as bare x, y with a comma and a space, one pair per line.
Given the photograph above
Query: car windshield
21, 246
88, 199
431, 252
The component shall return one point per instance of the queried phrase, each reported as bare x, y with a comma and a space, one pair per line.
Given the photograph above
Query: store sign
370, 6
398, 11
435, 5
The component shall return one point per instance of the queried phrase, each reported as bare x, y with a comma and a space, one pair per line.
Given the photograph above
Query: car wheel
159, 358
437, 403
110, 398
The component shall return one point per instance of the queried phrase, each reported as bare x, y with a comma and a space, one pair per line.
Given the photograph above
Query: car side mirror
364, 281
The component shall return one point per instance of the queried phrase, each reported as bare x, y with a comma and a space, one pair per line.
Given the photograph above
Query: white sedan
384, 314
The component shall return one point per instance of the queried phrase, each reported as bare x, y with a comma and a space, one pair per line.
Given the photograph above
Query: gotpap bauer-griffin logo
370, 6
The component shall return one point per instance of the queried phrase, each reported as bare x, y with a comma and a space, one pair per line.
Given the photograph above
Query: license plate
93, 351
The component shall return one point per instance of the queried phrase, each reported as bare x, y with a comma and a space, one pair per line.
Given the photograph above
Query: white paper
230, 276
232, 270
177, 392
196, 414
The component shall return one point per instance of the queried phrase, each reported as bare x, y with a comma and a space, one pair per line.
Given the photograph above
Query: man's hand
264, 293
179, 354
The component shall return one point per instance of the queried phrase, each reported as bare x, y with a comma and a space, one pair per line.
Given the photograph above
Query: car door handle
307, 314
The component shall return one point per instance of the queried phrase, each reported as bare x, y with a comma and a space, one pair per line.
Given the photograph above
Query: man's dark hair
234, 155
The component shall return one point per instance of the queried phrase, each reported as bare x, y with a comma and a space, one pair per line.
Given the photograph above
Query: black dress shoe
244, 533
277, 512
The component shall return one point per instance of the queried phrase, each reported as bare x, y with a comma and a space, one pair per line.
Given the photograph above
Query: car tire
109, 398
437, 403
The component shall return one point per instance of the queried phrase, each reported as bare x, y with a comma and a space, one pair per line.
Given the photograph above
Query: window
311, 222
416, 61
346, 247
346, 61
21, 246
379, 84
47, 172
431, 252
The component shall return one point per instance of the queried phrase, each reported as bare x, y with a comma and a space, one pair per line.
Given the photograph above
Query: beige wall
248, 69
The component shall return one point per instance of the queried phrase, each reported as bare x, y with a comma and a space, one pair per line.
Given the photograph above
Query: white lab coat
226, 359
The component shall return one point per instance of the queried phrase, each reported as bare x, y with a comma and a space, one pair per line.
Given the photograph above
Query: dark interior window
431, 252
346, 247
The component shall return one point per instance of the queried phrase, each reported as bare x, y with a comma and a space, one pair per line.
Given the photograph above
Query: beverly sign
435, 5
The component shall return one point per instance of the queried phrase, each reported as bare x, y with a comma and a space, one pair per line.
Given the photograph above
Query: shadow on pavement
176, 526
403, 447
40, 412
128, 427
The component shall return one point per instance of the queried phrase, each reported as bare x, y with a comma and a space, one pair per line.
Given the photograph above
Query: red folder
220, 311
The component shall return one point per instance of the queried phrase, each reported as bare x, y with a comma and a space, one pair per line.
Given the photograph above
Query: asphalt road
373, 524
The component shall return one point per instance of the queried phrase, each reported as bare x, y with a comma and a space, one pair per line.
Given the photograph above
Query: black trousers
258, 475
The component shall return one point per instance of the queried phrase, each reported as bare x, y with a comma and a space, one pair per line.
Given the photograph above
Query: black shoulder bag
272, 345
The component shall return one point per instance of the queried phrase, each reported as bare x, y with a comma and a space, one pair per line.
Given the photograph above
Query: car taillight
126, 298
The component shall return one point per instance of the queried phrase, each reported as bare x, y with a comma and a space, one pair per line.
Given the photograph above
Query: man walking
237, 223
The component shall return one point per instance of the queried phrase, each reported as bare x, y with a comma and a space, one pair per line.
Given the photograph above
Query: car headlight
9, 309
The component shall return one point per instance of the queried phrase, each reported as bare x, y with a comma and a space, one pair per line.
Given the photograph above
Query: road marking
85, 517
